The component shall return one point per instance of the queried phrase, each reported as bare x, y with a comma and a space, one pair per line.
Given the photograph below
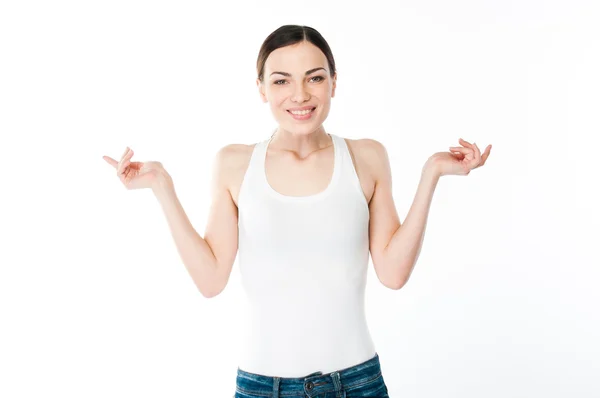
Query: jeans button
310, 385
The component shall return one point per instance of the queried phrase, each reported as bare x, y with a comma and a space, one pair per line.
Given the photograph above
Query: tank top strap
252, 180
255, 166
348, 174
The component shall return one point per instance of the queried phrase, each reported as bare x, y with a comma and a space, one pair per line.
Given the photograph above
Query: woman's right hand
137, 175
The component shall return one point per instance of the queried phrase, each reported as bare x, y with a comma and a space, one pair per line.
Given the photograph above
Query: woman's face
298, 77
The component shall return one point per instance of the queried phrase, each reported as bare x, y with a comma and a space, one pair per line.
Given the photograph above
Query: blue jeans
362, 380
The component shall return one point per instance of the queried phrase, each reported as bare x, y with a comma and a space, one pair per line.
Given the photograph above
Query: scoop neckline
305, 198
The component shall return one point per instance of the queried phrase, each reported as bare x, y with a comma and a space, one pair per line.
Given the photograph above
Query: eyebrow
308, 72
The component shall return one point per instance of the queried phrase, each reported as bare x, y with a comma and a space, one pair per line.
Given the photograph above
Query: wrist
163, 183
431, 168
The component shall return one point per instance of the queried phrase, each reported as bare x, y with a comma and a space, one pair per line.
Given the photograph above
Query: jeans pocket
372, 386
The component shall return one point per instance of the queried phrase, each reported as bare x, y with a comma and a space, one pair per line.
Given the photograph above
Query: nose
300, 94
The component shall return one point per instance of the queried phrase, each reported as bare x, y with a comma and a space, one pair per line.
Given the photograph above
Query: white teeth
301, 112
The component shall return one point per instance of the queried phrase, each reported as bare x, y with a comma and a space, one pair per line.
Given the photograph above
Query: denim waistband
314, 383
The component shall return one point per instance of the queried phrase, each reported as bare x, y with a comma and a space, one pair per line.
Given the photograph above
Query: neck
302, 144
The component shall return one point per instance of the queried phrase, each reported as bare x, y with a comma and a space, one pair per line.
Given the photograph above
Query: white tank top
303, 264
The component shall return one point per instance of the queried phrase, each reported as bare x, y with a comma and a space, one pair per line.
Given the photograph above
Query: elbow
207, 294
211, 286
397, 284
391, 280
394, 284
398, 281
213, 289
210, 293
207, 290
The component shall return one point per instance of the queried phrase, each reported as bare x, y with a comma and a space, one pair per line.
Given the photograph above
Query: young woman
304, 208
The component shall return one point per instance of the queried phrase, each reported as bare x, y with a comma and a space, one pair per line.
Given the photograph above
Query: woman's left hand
461, 160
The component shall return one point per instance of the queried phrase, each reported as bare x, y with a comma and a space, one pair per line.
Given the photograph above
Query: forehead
296, 59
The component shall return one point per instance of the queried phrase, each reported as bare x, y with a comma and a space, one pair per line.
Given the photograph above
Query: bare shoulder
369, 154
232, 154
231, 163
367, 146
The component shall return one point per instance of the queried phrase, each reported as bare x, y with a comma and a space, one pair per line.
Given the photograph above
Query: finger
123, 165
477, 153
111, 161
461, 149
125, 153
123, 177
128, 155
485, 155
119, 168
466, 143
124, 162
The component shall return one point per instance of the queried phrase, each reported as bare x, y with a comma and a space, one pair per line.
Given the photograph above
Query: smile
305, 112
302, 115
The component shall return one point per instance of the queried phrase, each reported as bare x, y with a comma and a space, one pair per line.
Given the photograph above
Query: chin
301, 129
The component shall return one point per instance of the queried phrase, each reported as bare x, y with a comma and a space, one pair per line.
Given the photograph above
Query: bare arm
395, 247
208, 260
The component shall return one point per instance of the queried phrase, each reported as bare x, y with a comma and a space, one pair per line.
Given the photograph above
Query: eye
277, 82
321, 78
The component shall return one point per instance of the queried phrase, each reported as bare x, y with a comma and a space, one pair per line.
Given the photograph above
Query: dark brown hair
291, 34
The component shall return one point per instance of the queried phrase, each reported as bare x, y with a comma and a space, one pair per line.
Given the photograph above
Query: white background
94, 300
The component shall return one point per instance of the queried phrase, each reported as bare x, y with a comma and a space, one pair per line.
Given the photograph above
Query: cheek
277, 104
276, 97
323, 92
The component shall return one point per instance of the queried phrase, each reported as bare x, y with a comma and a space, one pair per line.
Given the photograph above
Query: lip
302, 117
302, 108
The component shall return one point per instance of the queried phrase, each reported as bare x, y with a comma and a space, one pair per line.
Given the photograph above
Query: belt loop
339, 393
276, 387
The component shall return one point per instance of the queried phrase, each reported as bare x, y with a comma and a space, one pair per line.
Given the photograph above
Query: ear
261, 90
334, 85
